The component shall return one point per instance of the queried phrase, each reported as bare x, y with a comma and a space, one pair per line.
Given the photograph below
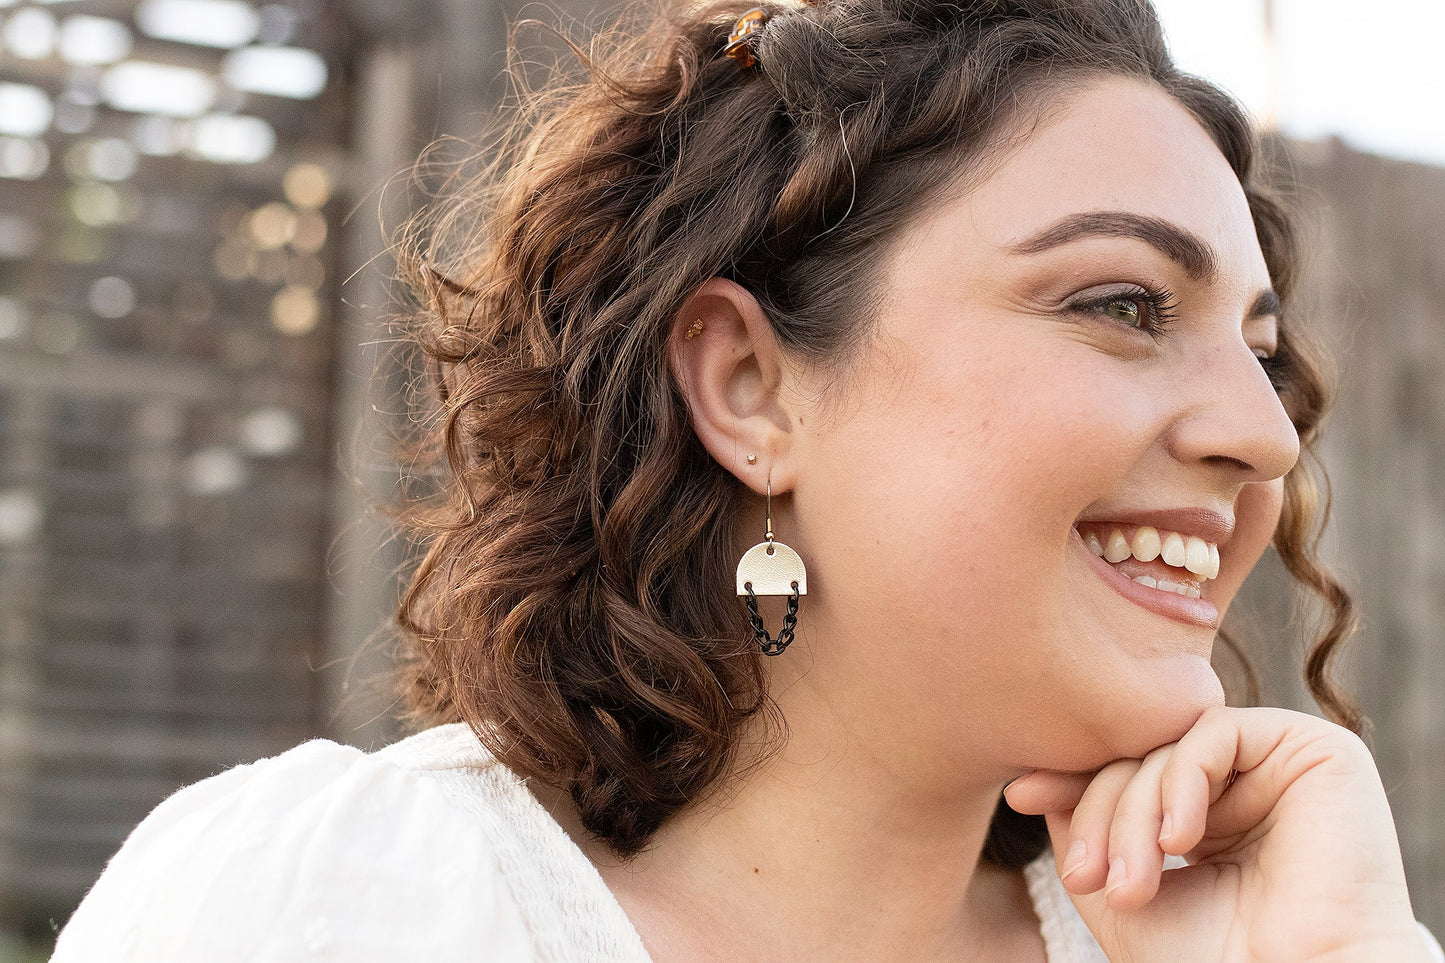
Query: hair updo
575, 602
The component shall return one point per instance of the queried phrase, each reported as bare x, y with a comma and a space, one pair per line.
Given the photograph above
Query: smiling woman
980, 308
1101, 357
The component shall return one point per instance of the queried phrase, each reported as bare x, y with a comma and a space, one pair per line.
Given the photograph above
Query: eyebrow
1182, 247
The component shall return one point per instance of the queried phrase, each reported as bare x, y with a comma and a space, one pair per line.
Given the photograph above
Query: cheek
1256, 514
966, 485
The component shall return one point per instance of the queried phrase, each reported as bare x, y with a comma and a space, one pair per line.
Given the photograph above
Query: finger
1046, 791
1186, 793
1208, 807
1084, 858
1091, 905
1135, 859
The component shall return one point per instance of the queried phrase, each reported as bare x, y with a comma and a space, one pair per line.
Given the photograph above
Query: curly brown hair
574, 605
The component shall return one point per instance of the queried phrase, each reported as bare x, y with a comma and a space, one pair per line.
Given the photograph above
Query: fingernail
1118, 875
1074, 859
1166, 829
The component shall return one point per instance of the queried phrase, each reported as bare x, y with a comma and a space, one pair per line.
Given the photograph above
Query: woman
973, 320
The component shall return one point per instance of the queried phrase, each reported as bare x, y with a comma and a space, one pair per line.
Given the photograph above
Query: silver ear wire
768, 511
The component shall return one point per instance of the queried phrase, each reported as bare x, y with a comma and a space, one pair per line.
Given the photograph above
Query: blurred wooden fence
1375, 288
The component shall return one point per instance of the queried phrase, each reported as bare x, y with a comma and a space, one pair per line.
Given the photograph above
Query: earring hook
769, 511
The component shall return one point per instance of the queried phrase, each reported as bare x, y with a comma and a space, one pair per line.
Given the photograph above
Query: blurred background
195, 387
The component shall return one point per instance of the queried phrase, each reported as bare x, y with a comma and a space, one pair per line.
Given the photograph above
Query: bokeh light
25, 111
12, 318
143, 87
270, 432
271, 226
21, 515
23, 158
208, 23
232, 139
86, 40
295, 311
30, 33
292, 72
112, 297
307, 185
215, 470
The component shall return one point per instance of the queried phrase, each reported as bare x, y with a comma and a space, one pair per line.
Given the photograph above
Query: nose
1235, 419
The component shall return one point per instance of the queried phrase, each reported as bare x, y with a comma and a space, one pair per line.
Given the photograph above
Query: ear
731, 371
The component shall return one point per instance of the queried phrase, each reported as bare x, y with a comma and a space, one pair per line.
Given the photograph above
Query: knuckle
1346, 742
1160, 756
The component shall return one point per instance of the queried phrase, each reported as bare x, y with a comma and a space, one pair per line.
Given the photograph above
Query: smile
1186, 560
1162, 570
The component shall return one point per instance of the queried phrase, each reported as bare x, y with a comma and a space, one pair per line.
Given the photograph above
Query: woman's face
1069, 355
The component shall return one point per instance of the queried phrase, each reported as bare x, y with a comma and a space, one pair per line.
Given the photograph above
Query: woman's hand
1293, 858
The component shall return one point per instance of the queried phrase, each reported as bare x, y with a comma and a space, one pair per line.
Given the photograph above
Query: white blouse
426, 850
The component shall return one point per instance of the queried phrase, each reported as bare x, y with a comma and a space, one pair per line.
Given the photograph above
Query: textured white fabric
1066, 938
426, 850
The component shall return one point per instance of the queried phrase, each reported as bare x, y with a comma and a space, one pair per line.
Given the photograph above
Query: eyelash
1159, 308
1278, 369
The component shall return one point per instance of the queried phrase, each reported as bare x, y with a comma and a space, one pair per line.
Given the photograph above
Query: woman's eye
1275, 367
1125, 311
1140, 308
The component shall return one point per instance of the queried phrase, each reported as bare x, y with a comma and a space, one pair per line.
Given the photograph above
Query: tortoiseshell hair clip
738, 46
747, 25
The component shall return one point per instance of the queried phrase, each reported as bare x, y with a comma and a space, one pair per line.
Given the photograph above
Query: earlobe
730, 368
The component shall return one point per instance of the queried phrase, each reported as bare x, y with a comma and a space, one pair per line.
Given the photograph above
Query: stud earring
772, 568
694, 329
752, 459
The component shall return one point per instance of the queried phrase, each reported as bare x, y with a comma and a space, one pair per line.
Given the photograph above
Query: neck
828, 851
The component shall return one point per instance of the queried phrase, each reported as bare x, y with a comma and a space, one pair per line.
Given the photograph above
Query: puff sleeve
321, 853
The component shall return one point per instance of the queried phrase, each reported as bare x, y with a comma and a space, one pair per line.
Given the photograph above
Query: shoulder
321, 852
1432, 945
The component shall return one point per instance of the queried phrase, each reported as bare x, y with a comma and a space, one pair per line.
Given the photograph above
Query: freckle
755, 869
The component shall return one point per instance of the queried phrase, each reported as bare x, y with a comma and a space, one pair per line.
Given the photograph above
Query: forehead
1115, 144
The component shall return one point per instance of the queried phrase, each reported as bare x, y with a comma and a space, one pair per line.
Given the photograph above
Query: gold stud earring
772, 568
752, 459
694, 329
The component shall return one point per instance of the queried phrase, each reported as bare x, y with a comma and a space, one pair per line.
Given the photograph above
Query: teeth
1189, 552
1188, 590
1173, 551
1184, 588
1196, 555
1118, 549
1146, 543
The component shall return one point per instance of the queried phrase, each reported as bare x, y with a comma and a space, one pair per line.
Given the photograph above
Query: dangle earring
772, 568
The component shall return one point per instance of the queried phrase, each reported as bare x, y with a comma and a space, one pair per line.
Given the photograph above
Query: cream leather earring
773, 569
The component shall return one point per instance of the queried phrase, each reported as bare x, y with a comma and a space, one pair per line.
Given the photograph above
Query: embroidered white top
428, 849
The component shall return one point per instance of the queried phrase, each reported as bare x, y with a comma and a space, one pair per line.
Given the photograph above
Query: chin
1149, 711
1164, 712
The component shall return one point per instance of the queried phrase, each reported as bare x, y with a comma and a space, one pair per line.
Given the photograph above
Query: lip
1206, 523
1201, 612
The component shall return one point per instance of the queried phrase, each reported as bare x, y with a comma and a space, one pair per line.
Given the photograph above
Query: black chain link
760, 632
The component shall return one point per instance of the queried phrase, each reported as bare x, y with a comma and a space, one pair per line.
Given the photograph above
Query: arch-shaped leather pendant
771, 568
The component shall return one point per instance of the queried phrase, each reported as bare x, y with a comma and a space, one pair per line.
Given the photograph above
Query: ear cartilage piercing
773, 569
694, 329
